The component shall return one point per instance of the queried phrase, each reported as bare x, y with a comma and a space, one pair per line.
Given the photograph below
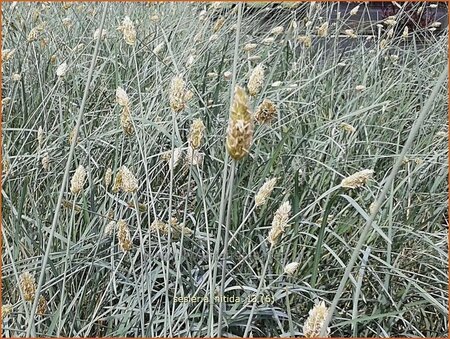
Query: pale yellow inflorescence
45, 161
175, 228
40, 137
290, 268
178, 94
123, 235
323, 30
194, 157
305, 40
264, 192
167, 156
101, 35
122, 97
7, 54
62, 69
125, 120
28, 286
240, 127
108, 177
315, 320
347, 127
110, 228
125, 180
196, 133
279, 222
128, 31
266, 112
77, 182
42, 306
6, 310
256, 80
357, 179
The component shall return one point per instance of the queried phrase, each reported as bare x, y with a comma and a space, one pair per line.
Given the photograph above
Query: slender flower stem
31, 324
414, 130
224, 182
225, 247
258, 292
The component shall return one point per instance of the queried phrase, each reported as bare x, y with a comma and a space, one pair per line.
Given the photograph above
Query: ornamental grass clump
240, 127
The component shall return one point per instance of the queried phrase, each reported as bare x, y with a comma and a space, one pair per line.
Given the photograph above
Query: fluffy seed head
218, 24
196, 133
173, 227
42, 306
279, 222
264, 192
6, 310
128, 31
350, 33
62, 69
347, 127
265, 112
249, 47
45, 161
256, 80
28, 286
167, 156
323, 30
123, 235
125, 121
315, 320
354, 10
159, 226
77, 182
178, 95
390, 21
125, 180
290, 268
108, 177
159, 48
40, 137
357, 179
16, 77
268, 41
277, 30
122, 97
7, 54
194, 157
305, 40
360, 88
33, 35
240, 127
110, 228
405, 32
101, 35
